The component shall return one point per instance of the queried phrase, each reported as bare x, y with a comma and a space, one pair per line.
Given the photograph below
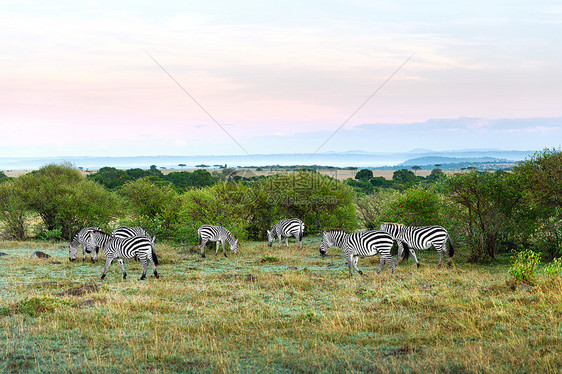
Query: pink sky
78, 80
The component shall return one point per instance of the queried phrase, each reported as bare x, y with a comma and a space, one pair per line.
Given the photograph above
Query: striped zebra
360, 244
217, 234
119, 248
285, 229
127, 232
81, 240
420, 237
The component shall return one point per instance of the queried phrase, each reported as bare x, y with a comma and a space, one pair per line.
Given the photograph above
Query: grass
271, 310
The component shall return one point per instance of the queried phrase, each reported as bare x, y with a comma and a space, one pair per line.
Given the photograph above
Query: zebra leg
217, 251
400, 250
223, 250
287, 241
144, 267
381, 264
440, 250
349, 258
108, 261
153, 266
392, 263
413, 253
355, 260
203, 242
279, 237
120, 260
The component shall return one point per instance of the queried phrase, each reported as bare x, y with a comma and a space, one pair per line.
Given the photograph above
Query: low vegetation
274, 310
499, 309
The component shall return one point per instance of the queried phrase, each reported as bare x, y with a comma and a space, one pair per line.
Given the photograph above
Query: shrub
65, 199
554, 268
524, 266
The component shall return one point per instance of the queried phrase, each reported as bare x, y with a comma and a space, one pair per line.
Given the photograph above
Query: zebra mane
101, 231
334, 230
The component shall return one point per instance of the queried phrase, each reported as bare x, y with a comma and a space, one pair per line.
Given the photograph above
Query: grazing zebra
119, 248
217, 234
420, 237
360, 244
127, 232
80, 240
285, 229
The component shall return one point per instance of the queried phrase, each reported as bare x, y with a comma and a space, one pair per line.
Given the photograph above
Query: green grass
271, 310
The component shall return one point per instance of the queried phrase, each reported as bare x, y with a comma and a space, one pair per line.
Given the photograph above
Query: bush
524, 266
152, 206
65, 199
415, 206
554, 268
13, 211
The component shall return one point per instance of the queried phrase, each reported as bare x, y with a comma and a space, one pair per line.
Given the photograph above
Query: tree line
486, 212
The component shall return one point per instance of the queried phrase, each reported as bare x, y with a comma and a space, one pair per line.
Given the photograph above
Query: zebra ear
268, 232
153, 240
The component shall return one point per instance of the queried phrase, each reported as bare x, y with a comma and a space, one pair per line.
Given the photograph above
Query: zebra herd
135, 242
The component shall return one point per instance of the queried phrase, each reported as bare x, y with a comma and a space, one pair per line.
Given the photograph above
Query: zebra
80, 240
420, 237
285, 229
139, 247
127, 232
217, 234
360, 244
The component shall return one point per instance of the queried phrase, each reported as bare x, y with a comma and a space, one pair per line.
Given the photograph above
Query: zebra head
270, 237
325, 244
73, 250
234, 247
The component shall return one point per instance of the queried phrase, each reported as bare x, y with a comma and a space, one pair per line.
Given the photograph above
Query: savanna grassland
272, 310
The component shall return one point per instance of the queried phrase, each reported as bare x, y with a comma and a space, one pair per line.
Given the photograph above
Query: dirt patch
81, 290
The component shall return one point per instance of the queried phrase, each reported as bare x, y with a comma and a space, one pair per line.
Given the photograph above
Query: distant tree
110, 177
404, 176
435, 174
416, 168
182, 165
202, 166
364, 175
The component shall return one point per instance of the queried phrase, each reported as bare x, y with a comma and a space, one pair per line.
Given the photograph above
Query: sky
130, 78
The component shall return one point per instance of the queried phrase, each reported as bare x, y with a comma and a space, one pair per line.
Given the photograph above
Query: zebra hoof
418, 265
142, 278
202, 255
125, 276
103, 276
156, 274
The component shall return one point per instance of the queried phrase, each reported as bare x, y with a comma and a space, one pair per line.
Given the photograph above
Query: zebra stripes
217, 234
81, 240
285, 229
421, 237
360, 244
139, 247
127, 232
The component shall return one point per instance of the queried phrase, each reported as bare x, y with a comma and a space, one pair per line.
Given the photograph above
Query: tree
416, 168
404, 176
364, 175
66, 200
182, 165
13, 210
487, 201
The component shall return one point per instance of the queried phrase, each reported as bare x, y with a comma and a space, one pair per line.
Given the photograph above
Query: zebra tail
154, 257
451, 248
301, 232
406, 254
198, 237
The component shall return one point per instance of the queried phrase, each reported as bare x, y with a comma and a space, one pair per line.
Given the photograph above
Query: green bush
554, 268
524, 266
65, 199
155, 207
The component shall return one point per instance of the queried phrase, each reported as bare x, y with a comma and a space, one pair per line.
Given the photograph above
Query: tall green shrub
66, 200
